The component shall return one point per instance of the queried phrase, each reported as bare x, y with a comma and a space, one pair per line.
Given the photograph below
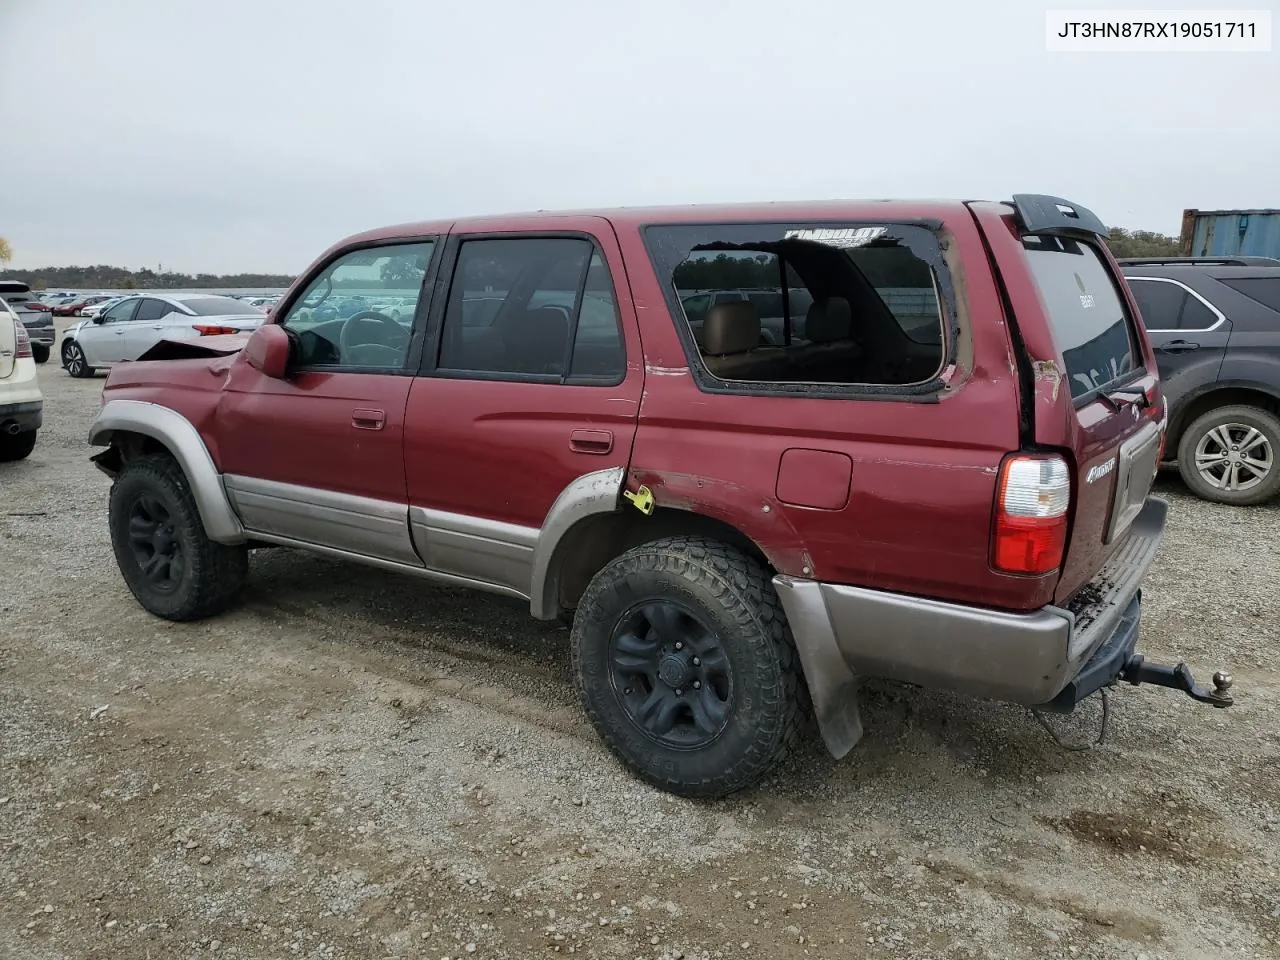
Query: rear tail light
24, 341
211, 331
1033, 497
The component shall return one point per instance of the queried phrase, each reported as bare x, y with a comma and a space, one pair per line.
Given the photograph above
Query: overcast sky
250, 134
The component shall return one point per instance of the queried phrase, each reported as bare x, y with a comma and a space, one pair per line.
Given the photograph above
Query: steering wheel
347, 349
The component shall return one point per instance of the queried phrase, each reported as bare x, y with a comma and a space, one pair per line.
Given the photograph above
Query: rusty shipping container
1231, 233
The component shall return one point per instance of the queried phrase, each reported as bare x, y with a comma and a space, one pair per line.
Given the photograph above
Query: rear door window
1085, 312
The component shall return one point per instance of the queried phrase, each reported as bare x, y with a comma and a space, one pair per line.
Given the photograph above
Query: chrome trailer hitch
1137, 671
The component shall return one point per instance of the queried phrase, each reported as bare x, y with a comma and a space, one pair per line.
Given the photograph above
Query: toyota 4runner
939, 475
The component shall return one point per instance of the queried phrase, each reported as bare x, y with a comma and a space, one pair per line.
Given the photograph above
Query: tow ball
1137, 671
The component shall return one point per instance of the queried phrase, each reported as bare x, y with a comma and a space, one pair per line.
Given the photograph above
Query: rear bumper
1052, 657
25, 416
40, 329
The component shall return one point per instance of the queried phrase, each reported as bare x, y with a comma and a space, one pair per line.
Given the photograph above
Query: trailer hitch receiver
1137, 671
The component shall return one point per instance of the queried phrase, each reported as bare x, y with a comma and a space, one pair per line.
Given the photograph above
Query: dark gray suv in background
1215, 327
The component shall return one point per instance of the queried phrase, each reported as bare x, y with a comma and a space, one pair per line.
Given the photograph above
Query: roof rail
1199, 261
1041, 213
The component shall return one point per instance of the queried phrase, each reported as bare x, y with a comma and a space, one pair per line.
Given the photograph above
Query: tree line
102, 277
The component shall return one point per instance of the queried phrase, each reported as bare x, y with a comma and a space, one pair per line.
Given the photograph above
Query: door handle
598, 442
1178, 346
366, 419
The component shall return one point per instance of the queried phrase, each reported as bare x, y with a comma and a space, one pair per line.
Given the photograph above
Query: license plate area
1135, 473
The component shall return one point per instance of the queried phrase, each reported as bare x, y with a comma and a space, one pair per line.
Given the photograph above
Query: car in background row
1215, 327
137, 323
76, 307
93, 309
21, 403
32, 314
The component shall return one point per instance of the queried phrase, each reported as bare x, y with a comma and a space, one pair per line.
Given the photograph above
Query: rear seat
731, 344
830, 354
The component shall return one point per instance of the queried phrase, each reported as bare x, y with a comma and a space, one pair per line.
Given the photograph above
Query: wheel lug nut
679, 691
697, 662
679, 645
697, 684
627, 691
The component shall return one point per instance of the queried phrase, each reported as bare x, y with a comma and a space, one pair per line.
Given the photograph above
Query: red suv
932, 465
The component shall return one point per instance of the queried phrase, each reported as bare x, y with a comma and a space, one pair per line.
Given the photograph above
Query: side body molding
183, 440
588, 495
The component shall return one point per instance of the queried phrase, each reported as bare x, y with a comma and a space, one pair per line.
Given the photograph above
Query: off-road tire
213, 573
17, 446
731, 594
39, 353
74, 362
1262, 420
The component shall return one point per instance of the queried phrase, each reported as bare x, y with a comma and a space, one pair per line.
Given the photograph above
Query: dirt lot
356, 765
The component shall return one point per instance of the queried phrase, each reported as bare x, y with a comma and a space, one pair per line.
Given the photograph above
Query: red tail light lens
210, 331
24, 341
1030, 534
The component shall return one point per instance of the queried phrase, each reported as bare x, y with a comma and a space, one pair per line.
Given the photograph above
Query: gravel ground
352, 764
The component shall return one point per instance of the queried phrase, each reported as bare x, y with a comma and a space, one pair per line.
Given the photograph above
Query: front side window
848, 305
359, 312
121, 312
536, 308
1085, 312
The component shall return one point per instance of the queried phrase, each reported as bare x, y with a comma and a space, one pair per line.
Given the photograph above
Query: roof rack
1198, 261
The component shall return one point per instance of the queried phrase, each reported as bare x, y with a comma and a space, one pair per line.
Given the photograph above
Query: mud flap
833, 687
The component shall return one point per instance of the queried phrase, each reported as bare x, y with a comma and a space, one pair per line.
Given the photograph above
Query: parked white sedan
135, 324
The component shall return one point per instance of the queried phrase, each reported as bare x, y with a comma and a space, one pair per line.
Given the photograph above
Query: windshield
218, 307
1086, 313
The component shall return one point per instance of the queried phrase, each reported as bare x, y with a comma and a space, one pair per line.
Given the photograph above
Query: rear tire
173, 569
74, 362
1252, 436
17, 446
39, 353
686, 666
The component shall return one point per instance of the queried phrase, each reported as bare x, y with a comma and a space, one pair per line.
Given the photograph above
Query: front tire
74, 362
173, 569
686, 666
17, 446
1231, 455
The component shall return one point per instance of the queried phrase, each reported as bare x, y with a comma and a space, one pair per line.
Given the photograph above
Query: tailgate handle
591, 441
1178, 346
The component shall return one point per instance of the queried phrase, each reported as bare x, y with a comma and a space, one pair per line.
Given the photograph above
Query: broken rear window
796, 304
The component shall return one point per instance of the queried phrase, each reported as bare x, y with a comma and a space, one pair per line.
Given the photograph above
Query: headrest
732, 327
828, 320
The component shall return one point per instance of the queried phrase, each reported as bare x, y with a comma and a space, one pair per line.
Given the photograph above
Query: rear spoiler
1041, 213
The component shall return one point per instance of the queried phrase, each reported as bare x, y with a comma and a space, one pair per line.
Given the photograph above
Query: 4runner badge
1100, 471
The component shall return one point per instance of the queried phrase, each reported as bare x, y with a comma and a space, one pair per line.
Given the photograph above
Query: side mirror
98, 317
268, 350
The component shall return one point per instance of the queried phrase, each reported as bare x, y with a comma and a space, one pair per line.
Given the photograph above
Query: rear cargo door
1095, 394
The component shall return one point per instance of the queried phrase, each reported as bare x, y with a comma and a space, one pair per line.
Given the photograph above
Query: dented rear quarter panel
919, 509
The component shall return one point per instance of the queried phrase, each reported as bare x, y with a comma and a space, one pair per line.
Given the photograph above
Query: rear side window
827, 306
1265, 290
1168, 305
1085, 312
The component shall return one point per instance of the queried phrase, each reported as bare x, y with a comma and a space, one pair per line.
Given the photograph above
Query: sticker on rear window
1086, 298
842, 237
